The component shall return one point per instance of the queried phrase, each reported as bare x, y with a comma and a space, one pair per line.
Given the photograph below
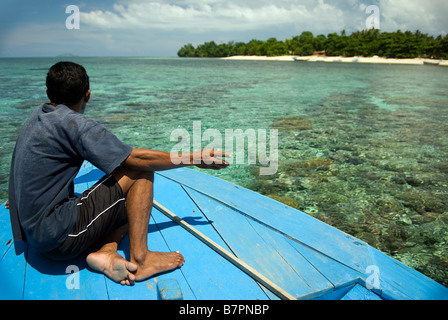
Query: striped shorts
101, 210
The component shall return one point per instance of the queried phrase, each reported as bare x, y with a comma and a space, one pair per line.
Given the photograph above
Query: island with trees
365, 43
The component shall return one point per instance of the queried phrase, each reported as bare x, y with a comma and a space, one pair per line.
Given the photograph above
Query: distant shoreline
374, 60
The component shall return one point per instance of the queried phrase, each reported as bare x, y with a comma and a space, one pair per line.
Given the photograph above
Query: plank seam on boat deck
283, 258
7, 249
316, 268
262, 287
270, 244
216, 230
25, 256
209, 221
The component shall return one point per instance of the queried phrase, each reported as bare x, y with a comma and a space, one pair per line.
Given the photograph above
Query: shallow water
361, 147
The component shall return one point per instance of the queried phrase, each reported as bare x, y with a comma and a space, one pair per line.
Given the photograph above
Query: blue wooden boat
301, 255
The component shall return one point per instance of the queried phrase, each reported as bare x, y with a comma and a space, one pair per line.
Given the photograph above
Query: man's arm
153, 160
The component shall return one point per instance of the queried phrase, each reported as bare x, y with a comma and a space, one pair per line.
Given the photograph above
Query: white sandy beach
378, 60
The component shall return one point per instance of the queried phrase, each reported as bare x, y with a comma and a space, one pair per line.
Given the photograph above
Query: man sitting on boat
50, 149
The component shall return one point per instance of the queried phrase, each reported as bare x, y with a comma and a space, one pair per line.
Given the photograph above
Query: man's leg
138, 190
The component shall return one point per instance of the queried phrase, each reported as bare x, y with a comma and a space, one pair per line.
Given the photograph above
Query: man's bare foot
157, 262
113, 266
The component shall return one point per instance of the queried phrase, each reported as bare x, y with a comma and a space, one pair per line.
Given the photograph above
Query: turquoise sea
361, 147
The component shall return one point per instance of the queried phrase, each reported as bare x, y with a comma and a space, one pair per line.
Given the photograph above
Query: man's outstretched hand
208, 159
153, 160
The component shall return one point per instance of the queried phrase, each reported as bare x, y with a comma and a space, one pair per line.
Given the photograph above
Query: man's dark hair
67, 83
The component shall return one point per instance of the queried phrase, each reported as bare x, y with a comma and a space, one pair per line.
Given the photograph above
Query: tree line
364, 43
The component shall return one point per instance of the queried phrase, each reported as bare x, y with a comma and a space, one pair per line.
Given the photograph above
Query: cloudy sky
161, 27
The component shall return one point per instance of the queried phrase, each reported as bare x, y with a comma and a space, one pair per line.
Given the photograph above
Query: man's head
67, 83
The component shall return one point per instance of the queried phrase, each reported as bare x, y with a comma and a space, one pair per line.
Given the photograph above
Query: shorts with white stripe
101, 210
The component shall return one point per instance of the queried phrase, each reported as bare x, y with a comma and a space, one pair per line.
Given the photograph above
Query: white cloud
195, 16
427, 16
215, 15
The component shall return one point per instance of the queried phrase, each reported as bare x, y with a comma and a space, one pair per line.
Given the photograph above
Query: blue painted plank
337, 293
338, 274
263, 249
144, 290
12, 269
311, 279
359, 292
12, 265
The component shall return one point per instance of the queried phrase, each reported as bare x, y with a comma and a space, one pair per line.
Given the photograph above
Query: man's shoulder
66, 118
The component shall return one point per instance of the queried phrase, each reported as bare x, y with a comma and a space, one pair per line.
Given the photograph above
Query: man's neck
76, 107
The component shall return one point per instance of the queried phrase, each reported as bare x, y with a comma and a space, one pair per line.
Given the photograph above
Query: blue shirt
50, 149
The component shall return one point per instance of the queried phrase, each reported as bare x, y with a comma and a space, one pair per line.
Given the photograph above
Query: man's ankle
139, 258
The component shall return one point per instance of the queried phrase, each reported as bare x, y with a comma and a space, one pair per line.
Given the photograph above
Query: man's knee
127, 177
132, 174
147, 175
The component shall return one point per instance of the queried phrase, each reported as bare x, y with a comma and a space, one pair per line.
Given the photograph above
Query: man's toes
132, 267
